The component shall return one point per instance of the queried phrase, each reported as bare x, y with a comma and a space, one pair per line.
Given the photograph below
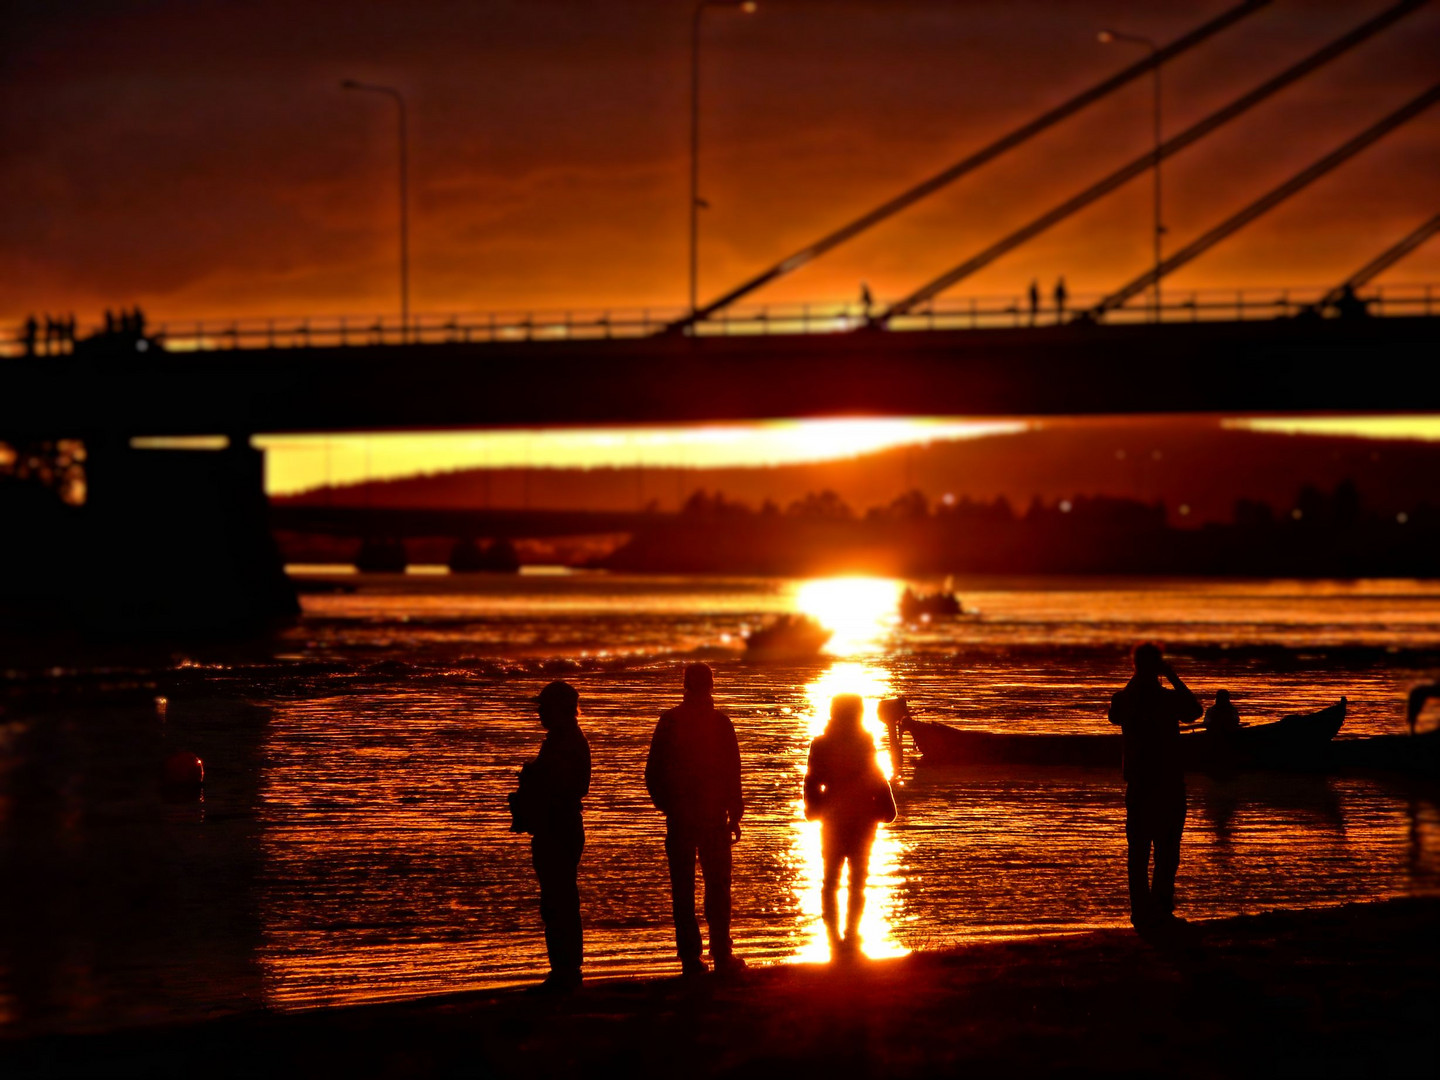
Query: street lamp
748, 7
399, 99
1106, 37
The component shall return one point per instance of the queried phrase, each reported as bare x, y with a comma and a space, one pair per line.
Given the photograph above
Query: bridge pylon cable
1382, 262
1147, 161
1271, 199
969, 164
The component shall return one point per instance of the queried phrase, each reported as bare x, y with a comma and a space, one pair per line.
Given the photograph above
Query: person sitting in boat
846, 790
1222, 718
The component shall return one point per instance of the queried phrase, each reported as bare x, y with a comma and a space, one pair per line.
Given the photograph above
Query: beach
1343, 991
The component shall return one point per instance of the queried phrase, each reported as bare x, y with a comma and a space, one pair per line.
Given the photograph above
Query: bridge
1276, 364
1350, 346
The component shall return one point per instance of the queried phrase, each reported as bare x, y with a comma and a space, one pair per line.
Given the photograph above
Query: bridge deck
1277, 365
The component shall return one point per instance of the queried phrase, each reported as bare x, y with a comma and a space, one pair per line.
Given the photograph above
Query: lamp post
748, 7
399, 99
1106, 37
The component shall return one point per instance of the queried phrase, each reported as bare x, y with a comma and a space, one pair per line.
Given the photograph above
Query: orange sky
200, 159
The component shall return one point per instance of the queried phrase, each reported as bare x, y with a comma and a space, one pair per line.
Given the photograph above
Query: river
352, 843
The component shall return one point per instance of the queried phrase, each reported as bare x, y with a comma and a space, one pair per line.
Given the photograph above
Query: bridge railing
973, 312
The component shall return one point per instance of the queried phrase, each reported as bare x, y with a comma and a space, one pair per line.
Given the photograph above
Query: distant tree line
1323, 534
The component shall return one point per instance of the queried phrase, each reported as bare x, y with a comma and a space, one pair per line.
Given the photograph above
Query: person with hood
693, 776
846, 790
547, 805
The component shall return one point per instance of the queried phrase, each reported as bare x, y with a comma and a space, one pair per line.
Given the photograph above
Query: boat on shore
786, 639
1299, 741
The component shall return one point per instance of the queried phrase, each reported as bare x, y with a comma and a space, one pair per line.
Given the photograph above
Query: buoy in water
182, 771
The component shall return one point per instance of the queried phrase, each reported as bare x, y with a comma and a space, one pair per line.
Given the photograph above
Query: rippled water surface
353, 845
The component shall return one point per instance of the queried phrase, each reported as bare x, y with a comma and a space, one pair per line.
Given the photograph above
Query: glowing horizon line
302, 463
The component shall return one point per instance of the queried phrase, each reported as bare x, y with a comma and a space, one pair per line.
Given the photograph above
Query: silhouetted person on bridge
846, 790
1061, 295
866, 300
1349, 306
1149, 716
547, 805
1034, 301
29, 334
693, 776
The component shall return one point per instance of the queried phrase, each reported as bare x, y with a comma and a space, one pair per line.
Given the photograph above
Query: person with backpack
547, 805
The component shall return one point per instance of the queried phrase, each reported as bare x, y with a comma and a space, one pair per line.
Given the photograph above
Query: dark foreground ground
1352, 991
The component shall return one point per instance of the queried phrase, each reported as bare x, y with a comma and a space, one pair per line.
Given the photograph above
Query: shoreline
1332, 991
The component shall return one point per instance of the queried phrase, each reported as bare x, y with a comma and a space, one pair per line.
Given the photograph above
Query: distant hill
1186, 463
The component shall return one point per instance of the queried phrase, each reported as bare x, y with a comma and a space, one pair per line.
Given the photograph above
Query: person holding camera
547, 806
1149, 716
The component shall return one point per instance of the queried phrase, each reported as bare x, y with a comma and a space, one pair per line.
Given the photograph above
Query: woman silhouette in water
846, 790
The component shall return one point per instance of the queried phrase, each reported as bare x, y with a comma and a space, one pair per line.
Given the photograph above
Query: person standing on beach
846, 790
1149, 716
693, 776
547, 805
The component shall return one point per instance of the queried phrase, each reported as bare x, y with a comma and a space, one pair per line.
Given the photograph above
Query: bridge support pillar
178, 541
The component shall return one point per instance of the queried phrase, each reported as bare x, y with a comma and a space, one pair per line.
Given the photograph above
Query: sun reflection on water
860, 610
881, 888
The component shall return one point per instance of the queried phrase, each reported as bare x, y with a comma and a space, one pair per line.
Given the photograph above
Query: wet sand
1343, 991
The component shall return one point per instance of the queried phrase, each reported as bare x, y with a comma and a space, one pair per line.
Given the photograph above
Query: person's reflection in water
693, 776
547, 805
846, 790
1149, 716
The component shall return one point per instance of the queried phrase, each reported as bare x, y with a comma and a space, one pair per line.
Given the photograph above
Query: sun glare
860, 610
